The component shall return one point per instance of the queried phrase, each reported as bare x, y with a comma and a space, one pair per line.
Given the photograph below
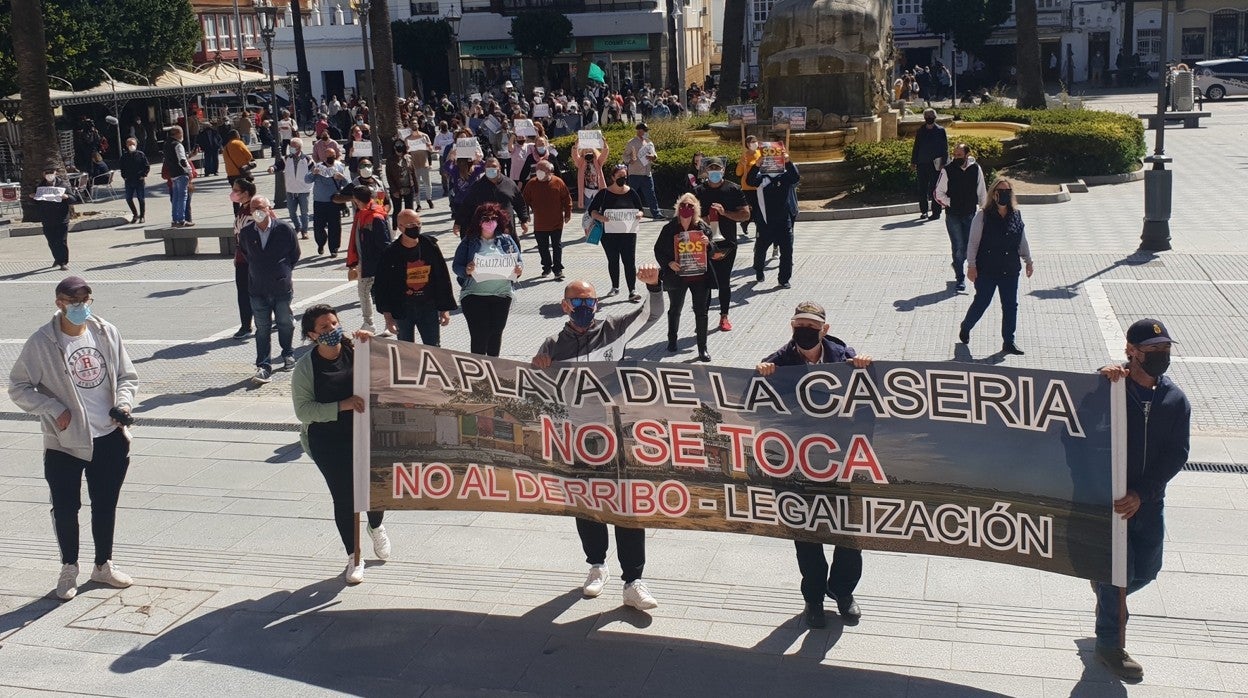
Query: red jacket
366, 216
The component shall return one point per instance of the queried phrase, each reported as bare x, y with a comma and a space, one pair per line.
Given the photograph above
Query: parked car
1222, 77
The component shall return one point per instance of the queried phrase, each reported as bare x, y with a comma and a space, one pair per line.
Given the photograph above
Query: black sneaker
960, 286
1011, 348
758, 276
671, 345
559, 276
242, 333
704, 356
263, 375
964, 336
814, 616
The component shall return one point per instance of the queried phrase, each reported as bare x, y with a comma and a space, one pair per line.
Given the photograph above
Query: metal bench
1190, 119
183, 242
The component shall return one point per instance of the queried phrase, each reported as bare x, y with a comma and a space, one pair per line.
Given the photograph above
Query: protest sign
53, 194
541, 110
621, 221
524, 127
981, 462
494, 266
591, 139
491, 122
742, 114
692, 252
794, 117
771, 157
404, 133
466, 148
416, 144
361, 149
566, 124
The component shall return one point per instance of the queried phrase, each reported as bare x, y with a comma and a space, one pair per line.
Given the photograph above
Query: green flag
595, 74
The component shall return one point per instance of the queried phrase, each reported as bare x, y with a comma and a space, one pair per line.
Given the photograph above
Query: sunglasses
583, 302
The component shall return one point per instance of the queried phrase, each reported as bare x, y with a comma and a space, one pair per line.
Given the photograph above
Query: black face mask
412, 232
1004, 196
1155, 363
930, 121
959, 162
621, 181
806, 337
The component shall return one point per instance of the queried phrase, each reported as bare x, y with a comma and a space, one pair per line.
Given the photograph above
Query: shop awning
214, 77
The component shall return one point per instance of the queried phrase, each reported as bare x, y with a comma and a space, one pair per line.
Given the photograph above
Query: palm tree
730, 67
386, 109
1030, 79
39, 141
303, 98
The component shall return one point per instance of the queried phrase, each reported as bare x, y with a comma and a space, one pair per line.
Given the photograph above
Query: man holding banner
586, 338
1158, 441
811, 344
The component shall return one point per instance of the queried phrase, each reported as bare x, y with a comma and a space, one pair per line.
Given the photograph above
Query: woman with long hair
322, 389
486, 263
617, 207
995, 255
241, 192
685, 250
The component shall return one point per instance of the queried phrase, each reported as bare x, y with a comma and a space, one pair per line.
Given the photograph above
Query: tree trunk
39, 141
386, 108
1128, 31
734, 41
674, 69
1030, 79
303, 92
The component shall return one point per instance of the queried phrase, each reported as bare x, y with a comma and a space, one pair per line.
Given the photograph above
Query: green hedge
1071, 142
884, 168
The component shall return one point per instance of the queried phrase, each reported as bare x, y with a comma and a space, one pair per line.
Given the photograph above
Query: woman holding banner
684, 250
321, 387
486, 262
619, 209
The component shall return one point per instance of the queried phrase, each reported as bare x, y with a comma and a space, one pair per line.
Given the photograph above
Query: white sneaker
381, 542
67, 583
110, 575
369, 329
597, 579
354, 574
638, 596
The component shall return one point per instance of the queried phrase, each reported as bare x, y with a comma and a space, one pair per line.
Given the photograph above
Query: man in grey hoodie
74, 374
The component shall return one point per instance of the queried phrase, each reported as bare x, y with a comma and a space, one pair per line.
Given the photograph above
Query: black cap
1148, 331
71, 286
642, 126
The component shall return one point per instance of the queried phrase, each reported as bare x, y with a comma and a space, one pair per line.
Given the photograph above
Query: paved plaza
226, 524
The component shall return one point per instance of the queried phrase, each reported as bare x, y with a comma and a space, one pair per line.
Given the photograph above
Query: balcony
513, 7
425, 8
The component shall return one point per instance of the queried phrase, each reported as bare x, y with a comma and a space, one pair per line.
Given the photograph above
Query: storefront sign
628, 42
482, 49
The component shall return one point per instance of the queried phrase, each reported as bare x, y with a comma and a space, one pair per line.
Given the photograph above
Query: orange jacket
365, 216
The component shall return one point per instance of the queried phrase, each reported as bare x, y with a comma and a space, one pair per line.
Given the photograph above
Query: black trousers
487, 318
723, 278
701, 293
927, 176
550, 248
779, 233
229, 179
57, 235
621, 247
630, 547
331, 450
398, 202
818, 579
327, 225
751, 198
241, 288
106, 471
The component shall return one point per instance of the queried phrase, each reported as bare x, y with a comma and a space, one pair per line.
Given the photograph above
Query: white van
1225, 76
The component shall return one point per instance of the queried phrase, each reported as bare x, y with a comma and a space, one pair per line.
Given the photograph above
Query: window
209, 24
1048, 4
909, 7
398, 417
1225, 40
1148, 45
762, 8
1193, 42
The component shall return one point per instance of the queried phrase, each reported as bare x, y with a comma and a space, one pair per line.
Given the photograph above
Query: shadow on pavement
1064, 293
906, 305
169, 399
189, 349
303, 636
20, 617
912, 223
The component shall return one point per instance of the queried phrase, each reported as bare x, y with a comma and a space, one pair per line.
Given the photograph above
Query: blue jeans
419, 317
985, 287
177, 197
136, 189
1146, 531
265, 310
294, 204
959, 228
645, 188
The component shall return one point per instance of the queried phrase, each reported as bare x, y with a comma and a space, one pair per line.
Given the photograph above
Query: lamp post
361, 8
1158, 181
266, 17
453, 16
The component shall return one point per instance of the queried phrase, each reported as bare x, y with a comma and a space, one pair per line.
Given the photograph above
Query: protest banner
404, 133
494, 266
983, 462
466, 148
361, 149
416, 144
591, 139
621, 221
53, 194
794, 117
524, 127
541, 110
771, 157
566, 124
491, 122
742, 114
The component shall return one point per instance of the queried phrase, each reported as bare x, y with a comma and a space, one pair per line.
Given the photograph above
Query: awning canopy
212, 77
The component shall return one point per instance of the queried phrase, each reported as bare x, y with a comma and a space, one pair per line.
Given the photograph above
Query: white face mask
132, 148
366, 172
260, 216
49, 178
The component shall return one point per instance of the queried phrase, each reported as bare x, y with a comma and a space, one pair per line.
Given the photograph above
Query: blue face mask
332, 338
77, 313
491, 172
715, 176
583, 310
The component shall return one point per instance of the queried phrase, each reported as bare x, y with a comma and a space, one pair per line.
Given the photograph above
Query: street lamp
266, 17
361, 8
1159, 182
453, 16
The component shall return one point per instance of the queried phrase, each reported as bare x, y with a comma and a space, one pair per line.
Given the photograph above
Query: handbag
595, 232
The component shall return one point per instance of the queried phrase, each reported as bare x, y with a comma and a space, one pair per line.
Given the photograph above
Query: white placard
53, 194
466, 148
621, 221
591, 139
491, 123
524, 127
541, 110
474, 97
494, 266
404, 133
416, 144
361, 149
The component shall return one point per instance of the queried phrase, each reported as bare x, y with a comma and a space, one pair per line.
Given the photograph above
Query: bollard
1158, 194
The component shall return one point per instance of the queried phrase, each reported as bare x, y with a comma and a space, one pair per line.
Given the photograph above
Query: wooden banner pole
356, 521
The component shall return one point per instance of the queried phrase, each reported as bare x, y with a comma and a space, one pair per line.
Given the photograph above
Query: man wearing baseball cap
1158, 438
811, 344
74, 374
